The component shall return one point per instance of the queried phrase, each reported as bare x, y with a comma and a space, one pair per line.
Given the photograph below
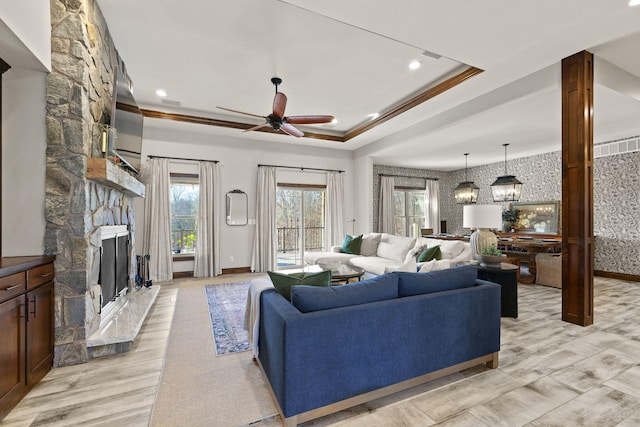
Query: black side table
507, 277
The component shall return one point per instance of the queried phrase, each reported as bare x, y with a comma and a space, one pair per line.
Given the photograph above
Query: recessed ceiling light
334, 121
634, 2
373, 116
161, 93
414, 65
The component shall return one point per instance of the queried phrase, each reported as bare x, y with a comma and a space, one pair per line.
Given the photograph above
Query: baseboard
182, 274
237, 270
619, 276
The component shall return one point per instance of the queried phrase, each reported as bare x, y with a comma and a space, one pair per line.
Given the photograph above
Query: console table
507, 277
527, 249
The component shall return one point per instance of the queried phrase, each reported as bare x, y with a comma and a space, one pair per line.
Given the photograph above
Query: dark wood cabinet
12, 350
26, 326
39, 351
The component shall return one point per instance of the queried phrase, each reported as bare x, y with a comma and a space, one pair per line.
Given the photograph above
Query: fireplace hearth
123, 306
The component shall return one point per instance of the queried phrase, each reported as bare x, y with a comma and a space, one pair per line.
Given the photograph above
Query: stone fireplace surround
79, 95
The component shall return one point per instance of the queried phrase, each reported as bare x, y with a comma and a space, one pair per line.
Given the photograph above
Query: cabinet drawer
13, 285
39, 275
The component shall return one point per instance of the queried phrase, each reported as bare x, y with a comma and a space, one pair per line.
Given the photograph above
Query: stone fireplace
79, 95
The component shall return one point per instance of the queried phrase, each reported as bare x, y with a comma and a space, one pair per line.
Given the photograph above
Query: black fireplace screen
114, 267
122, 263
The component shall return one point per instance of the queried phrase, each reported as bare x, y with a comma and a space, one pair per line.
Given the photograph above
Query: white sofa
382, 252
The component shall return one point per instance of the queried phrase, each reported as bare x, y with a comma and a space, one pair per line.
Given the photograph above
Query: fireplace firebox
114, 264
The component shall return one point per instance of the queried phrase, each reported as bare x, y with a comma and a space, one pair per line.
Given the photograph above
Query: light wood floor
551, 373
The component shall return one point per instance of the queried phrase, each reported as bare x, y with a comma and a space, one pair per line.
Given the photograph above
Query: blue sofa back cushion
410, 284
313, 298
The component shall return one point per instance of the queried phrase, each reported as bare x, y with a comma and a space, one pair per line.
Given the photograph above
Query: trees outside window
184, 213
409, 211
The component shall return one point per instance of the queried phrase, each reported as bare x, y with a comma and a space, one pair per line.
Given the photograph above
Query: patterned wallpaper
616, 216
616, 199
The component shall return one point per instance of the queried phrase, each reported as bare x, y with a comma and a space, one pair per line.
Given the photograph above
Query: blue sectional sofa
331, 348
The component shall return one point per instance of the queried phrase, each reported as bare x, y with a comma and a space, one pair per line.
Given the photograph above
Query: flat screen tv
127, 119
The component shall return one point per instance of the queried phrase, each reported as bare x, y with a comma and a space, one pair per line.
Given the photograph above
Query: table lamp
482, 218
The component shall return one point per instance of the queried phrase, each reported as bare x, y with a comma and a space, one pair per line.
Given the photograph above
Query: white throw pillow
451, 248
394, 247
370, 244
435, 265
409, 266
414, 252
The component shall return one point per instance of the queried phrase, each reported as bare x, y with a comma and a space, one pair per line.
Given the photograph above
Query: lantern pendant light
506, 188
466, 192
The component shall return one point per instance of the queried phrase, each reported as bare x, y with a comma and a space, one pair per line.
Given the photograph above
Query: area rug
227, 302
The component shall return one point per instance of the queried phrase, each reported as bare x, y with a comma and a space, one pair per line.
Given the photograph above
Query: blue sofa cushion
311, 298
284, 282
459, 277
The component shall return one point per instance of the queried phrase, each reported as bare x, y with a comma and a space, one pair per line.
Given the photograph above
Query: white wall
23, 162
240, 158
25, 34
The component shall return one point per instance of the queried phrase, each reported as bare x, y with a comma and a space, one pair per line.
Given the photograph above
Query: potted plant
490, 256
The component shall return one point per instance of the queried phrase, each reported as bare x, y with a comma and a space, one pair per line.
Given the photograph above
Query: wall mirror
237, 209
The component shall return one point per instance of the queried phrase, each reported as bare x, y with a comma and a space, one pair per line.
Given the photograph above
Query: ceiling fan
278, 121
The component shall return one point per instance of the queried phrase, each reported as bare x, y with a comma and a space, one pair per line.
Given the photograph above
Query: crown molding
394, 111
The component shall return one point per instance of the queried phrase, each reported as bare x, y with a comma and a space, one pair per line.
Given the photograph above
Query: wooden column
577, 189
3, 67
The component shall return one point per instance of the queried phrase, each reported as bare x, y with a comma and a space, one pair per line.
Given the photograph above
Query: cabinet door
12, 350
39, 332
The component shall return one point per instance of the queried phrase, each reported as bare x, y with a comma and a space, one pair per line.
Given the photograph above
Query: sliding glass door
299, 223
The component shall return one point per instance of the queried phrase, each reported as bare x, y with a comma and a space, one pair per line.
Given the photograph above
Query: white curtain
157, 223
386, 206
432, 205
207, 256
265, 242
334, 207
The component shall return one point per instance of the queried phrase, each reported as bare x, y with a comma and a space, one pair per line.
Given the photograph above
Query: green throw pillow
284, 282
430, 253
351, 245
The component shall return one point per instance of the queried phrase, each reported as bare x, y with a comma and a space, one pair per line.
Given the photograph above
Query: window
185, 190
409, 211
299, 222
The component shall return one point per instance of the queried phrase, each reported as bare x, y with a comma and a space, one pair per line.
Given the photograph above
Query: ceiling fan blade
242, 112
256, 127
308, 120
291, 130
279, 104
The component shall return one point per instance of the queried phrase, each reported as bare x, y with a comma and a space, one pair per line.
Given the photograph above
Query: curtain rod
409, 176
183, 158
301, 168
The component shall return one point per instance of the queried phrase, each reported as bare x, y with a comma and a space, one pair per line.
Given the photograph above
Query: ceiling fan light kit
278, 121
506, 188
